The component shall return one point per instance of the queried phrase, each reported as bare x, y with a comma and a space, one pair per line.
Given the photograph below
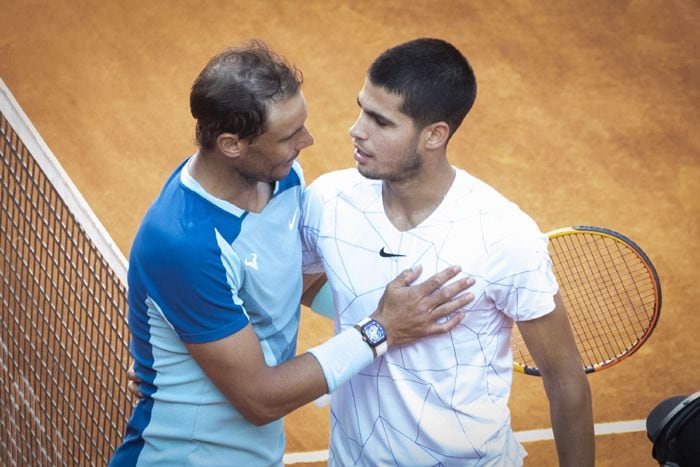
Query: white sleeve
312, 210
520, 277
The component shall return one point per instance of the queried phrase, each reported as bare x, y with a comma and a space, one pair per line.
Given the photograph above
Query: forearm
263, 393
279, 390
572, 421
319, 371
312, 283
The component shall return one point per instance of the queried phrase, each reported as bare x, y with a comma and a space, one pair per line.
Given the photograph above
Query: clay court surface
587, 113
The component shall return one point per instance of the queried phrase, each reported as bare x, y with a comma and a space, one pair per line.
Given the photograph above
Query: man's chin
278, 175
367, 173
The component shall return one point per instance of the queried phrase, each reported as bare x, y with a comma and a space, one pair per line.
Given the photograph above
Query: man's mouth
360, 155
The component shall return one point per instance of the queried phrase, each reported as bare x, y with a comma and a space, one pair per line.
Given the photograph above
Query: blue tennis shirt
201, 269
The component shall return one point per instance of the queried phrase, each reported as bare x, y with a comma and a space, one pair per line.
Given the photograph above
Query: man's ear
229, 145
436, 135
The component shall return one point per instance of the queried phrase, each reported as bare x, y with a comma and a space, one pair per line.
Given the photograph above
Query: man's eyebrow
375, 115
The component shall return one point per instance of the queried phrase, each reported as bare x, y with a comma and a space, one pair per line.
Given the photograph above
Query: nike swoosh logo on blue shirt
293, 220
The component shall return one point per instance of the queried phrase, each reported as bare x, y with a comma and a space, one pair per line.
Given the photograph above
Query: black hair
434, 78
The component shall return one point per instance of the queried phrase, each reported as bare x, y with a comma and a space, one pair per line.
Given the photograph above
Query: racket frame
620, 238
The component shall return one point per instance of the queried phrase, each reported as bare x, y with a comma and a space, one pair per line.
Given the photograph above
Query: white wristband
342, 357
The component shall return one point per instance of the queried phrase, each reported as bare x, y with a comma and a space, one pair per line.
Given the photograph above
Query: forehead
376, 99
286, 117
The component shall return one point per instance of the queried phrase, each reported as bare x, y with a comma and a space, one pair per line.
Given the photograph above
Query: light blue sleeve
322, 302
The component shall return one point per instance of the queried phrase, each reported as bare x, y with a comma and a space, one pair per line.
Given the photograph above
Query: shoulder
479, 194
504, 225
511, 232
337, 180
180, 229
294, 179
333, 190
346, 183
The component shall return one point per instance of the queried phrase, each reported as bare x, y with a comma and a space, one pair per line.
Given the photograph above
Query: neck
220, 179
408, 203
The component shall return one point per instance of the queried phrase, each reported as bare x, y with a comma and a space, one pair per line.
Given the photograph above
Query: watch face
374, 332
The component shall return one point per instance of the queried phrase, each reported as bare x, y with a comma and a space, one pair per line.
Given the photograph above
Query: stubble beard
404, 169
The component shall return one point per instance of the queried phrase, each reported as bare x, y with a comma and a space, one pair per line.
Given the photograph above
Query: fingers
131, 375
134, 385
445, 294
409, 312
448, 325
451, 306
450, 311
408, 276
448, 306
436, 281
135, 389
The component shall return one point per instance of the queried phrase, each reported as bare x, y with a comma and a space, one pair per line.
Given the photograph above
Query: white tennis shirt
441, 400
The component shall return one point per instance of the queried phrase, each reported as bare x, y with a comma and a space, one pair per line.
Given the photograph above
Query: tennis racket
611, 292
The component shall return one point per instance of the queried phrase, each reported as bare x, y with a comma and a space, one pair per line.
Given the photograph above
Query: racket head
611, 291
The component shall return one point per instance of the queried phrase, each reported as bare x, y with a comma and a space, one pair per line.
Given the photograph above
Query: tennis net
63, 332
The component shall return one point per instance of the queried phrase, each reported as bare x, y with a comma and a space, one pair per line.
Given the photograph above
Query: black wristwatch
374, 334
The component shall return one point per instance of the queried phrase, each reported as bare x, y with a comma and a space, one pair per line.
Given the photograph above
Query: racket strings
606, 307
597, 297
610, 295
588, 288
